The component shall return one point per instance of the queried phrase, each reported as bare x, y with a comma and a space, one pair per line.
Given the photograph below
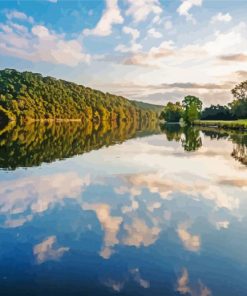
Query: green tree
192, 109
239, 105
172, 112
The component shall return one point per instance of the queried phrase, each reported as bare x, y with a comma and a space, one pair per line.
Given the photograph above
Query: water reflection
163, 214
32, 144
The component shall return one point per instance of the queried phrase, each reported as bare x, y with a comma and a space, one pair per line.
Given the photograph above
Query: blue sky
151, 50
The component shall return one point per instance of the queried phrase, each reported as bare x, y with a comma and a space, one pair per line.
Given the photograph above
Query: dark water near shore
133, 210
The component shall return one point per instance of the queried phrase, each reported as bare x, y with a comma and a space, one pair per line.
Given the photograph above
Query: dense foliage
217, 112
190, 110
172, 112
30, 96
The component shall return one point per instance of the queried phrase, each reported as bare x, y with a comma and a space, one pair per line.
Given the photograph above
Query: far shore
225, 124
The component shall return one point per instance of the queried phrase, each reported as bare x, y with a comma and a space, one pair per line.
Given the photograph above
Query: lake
132, 210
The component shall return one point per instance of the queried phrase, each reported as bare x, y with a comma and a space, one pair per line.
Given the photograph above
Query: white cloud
15, 14
110, 16
220, 17
153, 33
41, 44
133, 32
139, 10
133, 47
185, 7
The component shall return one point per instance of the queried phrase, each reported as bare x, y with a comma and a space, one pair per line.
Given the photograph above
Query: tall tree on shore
239, 105
192, 109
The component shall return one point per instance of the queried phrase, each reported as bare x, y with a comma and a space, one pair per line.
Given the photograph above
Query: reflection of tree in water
33, 144
238, 138
173, 132
192, 140
189, 136
240, 148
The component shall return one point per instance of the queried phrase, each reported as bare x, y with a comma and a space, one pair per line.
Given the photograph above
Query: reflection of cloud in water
134, 275
183, 281
114, 285
45, 251
184, 287
137, 278
138, 233
165, 186
109, 224
190, 242
38, 193
222, 224
12, 223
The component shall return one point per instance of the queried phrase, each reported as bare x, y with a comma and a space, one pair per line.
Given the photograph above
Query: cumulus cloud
45, 250
220, 17
185, 7
110, 17
139, 10
40, 45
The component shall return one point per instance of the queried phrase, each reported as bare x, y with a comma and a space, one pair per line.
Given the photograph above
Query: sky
149, 50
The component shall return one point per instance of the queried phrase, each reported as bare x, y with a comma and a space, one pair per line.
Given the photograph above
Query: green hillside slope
26, 96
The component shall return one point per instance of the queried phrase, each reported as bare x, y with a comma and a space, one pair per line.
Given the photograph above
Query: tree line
27, 96
191, 108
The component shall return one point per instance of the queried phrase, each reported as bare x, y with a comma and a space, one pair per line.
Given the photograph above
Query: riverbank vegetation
190, 111
27, 96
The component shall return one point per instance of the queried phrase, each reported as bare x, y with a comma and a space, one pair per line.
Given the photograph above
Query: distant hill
27, 96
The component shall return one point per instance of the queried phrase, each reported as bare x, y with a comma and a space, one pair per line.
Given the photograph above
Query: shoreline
240, 125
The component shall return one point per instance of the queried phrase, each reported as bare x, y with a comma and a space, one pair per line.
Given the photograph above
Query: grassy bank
231, 124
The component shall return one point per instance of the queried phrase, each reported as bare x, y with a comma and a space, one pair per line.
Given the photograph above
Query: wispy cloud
221, 17
110, 17
238, 57
18, 15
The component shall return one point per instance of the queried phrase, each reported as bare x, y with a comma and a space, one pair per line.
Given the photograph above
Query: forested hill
30, 96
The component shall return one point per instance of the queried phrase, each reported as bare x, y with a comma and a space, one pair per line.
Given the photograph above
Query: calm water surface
133, 211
